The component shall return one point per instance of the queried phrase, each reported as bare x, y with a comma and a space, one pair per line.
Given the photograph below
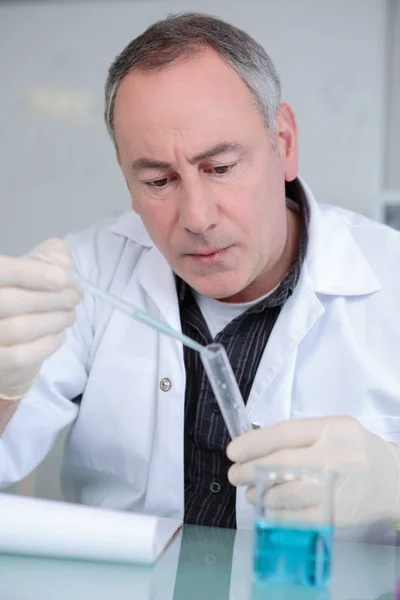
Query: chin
216, 291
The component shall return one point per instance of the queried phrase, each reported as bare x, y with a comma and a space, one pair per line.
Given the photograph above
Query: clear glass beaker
294, 525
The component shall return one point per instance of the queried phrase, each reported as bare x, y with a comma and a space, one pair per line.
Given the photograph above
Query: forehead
197, 96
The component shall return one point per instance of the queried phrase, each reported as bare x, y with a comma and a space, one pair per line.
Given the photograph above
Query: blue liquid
292, 554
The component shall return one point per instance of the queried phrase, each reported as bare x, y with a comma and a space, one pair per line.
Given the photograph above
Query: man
228, 244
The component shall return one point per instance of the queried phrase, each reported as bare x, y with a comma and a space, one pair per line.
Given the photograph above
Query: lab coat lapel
334, 265
167, 472
297, 317
153, 290
156, 278
153, 273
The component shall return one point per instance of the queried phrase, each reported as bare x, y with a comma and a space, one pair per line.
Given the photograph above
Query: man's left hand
368, 489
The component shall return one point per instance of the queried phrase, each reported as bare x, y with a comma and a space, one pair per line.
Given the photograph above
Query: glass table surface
201, 563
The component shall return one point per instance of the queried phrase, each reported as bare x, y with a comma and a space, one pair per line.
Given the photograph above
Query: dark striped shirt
209, 497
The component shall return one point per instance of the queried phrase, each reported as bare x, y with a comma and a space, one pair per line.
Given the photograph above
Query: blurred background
339, 61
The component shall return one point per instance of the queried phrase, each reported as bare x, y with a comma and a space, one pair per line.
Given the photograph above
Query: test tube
226, 389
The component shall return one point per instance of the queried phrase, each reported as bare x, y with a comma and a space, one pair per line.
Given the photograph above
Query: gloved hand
36, 305
368, 488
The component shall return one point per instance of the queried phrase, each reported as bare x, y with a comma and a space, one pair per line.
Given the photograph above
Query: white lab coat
334, 350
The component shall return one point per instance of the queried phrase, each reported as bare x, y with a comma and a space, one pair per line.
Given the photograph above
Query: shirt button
217, 411
215, 487
165, 384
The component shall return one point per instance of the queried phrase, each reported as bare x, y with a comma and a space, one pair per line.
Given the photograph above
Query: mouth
209, 256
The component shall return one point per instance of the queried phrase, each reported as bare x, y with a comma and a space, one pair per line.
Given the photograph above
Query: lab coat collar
129, 225
334, 262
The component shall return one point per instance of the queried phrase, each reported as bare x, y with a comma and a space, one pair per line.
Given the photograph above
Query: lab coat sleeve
44, 412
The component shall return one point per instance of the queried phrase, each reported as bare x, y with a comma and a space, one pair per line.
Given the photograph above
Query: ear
287, 140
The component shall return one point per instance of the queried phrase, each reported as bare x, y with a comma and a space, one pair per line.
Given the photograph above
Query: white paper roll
47, 528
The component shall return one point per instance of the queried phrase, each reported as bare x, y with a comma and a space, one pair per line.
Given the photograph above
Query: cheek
268, 193
253, 209
154, 222
259, 213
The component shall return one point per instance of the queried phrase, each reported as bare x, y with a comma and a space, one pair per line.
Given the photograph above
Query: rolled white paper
48, 528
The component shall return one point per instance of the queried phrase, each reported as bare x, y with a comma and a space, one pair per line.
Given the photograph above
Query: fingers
291, 503
245, 474
57, 251
15, 301
28, 356
31, 274
28, 328
284, 435
37, 304
293, 495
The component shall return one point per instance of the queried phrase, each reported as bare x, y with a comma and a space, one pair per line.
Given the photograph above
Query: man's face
205, 176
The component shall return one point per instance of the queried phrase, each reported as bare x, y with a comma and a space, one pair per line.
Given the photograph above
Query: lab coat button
215, 487
165, 384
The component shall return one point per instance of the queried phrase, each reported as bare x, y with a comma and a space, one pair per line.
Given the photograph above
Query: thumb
56, 251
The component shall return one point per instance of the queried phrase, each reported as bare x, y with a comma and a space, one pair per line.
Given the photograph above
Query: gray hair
184, 35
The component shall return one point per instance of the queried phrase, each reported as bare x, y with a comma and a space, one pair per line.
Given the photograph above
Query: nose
198, 208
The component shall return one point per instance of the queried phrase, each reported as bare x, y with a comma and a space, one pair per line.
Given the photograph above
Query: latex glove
368, 488
36, 305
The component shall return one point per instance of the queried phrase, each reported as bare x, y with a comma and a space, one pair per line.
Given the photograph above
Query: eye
158, 183
220, 170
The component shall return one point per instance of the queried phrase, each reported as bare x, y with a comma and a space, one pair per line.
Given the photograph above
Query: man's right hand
37, 304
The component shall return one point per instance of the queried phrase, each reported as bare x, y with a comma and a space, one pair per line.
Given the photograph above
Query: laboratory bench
200, 563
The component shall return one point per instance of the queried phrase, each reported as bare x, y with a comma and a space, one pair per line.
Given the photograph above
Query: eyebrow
222, 148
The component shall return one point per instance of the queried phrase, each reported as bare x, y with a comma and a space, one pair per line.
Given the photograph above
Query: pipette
136, 313
123, 306
213, 356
